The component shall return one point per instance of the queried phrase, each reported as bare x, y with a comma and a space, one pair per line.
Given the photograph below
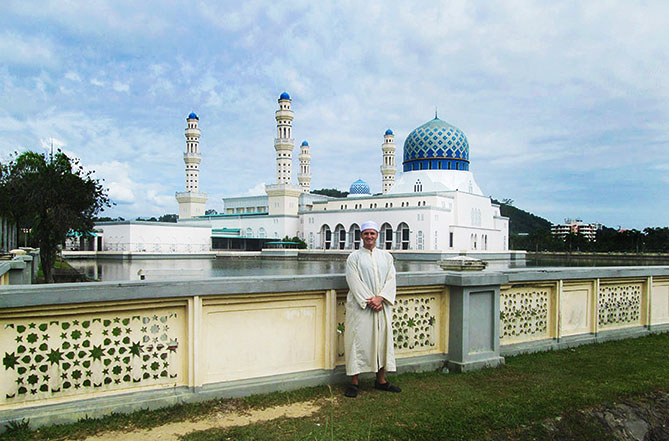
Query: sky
565, 104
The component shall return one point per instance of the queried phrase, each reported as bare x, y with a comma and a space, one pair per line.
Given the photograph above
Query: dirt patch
636, 418
172, 431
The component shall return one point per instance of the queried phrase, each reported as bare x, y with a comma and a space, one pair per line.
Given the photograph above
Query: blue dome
193, 116
284, 96
359, 187
305, 143
389, 132
436, 145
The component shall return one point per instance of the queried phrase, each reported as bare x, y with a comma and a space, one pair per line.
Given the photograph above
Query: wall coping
575, 273
72, 293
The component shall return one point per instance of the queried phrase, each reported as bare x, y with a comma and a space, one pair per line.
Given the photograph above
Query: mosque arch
403, 242
340, 237
354, 237
386, 236
326, 237
249, 232
261, 232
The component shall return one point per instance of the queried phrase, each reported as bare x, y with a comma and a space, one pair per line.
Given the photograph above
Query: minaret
304, 176
192, 156
388, 168
283, 197
192, 202
284, 142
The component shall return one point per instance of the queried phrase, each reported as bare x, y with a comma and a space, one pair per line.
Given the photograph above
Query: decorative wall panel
414, 319
524, 313
88, 353
659, 308
415, 324
619, 305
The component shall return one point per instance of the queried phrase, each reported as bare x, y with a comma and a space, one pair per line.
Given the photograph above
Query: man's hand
376, 303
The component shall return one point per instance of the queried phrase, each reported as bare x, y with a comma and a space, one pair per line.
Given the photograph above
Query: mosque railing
233, 336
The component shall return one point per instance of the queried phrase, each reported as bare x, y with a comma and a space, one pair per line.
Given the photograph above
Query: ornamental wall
113, 346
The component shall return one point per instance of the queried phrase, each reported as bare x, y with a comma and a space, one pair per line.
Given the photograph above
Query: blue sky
565, 104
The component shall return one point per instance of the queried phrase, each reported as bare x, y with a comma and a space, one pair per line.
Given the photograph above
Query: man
368, 335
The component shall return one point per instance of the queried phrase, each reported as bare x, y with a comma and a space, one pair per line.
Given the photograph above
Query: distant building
576, 226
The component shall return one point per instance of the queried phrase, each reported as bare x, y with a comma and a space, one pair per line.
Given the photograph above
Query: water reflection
156, 269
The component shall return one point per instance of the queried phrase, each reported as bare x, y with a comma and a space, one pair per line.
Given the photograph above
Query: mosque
434, 203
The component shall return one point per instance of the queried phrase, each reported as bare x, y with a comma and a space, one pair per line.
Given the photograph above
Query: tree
333, 192
54, 195
168, 218
300, 243
210, 211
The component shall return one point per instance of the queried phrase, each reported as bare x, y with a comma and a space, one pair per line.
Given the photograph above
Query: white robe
368, 334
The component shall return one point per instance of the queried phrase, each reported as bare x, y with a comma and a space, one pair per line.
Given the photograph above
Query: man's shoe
352, 391
387, 387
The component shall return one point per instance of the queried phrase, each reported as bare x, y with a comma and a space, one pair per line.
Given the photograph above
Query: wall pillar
474, 321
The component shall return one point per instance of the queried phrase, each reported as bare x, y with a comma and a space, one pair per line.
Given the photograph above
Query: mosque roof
436, 139
389, 132
359, 187
284, 96
193, 116
305, 143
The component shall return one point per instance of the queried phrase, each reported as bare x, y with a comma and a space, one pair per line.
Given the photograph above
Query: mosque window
450, 240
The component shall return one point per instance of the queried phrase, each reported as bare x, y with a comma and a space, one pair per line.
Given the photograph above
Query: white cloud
55, 143
73, 76
121, 87
27, 51
256, 190
96, 82
117, 179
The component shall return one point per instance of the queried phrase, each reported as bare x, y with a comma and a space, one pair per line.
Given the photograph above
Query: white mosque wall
417, 221
155, 237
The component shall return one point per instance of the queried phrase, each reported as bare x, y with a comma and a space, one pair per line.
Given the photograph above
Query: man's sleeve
355, 284
389, 289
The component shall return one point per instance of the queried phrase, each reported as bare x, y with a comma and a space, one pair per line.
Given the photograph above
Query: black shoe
352, 391
387, 387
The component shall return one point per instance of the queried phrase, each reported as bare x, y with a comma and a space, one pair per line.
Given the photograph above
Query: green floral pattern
414, 320
414, 323
524, 313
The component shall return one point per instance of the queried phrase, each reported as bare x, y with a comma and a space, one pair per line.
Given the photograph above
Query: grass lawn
501, 403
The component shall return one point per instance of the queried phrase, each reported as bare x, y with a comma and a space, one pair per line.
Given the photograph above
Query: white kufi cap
370, 225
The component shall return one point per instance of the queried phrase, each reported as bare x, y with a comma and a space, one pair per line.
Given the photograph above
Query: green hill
521, 221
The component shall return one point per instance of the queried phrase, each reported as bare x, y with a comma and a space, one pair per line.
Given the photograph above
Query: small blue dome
389, 132
284, 96
193, 116
305, 143
359, 187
